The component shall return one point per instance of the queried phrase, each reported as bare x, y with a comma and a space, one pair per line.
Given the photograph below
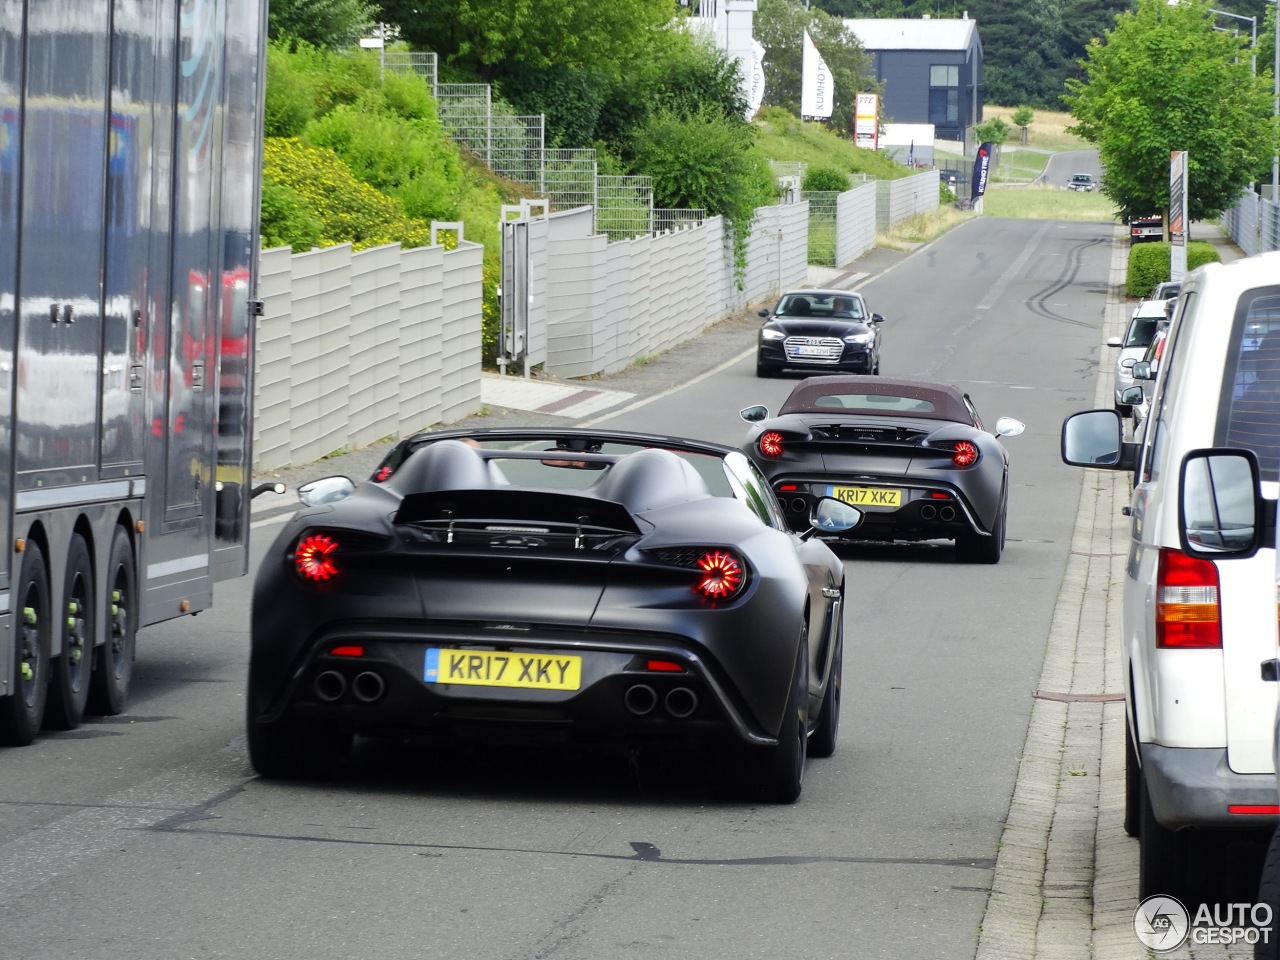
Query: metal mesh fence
822, 226
624, 207
423, 64
788, 168
466, 110
676, 218
569, 178
515, 149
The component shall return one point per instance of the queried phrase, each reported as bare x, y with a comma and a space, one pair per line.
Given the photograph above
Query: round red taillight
771, 443
720, 575
965, 455
313, 557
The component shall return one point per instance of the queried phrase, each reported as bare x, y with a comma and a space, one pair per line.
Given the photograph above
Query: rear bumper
854, 359
1195, 788
921, 516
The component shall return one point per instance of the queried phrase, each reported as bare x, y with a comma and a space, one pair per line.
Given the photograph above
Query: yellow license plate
867, 496
494, 668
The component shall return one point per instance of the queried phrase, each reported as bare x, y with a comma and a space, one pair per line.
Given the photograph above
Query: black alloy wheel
22, 713
69, 685
822, 742
113, 661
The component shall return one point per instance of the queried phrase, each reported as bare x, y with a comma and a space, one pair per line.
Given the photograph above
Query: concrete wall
901, 199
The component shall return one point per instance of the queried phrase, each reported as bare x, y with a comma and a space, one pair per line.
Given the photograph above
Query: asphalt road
148, 836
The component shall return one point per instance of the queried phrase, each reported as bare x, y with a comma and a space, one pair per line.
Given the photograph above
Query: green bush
1149, 264
287, 220
825, 178
347, 210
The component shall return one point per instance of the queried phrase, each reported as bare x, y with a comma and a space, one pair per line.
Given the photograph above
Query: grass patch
1019, 165
922, 228
1047, 130
783, 137
1045, 203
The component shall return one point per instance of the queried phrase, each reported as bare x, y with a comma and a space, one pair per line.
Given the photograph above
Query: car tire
1170, 862
113, 661
875, 370
1125, 410
972, 548
822, 742
22, 712
1268, 945
289, 750
1132, 783
71, 669
776, 774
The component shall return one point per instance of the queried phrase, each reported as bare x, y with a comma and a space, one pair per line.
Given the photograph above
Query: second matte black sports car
816, 330
596, 587
911, 454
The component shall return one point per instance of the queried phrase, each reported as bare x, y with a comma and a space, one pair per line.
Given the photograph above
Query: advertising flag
815, 83
755, 93
981, 166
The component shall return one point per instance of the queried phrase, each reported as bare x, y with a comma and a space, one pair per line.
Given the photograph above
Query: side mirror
325, 490
1131, 396
1142, 370
763, 313
1128, 362
877, 318
1095, 438
754, 414
1114, 342
834, 516
1009, 427
1219, 512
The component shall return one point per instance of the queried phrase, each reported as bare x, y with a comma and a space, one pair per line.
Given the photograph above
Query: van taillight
1187, 602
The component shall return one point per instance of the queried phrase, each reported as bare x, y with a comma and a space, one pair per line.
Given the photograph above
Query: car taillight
965, 454
720, 575
313, 557
1187, 602
771, 443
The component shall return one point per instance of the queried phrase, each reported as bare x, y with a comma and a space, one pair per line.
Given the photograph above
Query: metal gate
514, 294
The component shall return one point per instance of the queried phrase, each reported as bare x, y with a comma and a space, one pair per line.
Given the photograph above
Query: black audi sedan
818, 331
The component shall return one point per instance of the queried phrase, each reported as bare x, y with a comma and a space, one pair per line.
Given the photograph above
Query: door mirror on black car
877, 318
1221, 513
764, 313
325, 490
834, 516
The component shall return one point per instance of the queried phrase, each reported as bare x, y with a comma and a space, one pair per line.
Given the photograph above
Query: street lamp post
1253, 26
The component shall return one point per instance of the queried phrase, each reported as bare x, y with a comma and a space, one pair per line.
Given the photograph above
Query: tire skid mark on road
1038, 302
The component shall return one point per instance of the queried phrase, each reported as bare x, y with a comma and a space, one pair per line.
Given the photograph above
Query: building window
944, 95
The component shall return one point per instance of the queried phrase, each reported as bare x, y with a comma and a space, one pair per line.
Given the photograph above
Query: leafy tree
1164, 79
322, 23
818, 179
779, 26
994, 130
488, 39
1022, 117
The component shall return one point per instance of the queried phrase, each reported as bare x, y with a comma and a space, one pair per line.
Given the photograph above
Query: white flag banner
755, 92
815, 83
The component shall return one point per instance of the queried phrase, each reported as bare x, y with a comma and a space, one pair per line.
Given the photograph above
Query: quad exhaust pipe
928, 512
368, 687
681, 702
947, 514
640, 699
330, 686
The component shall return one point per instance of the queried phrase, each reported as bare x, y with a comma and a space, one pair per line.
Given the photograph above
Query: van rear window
1253, 419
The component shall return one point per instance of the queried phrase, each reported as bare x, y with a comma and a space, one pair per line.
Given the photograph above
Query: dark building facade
931, 71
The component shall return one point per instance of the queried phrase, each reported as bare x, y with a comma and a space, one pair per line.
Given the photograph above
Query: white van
1199, 620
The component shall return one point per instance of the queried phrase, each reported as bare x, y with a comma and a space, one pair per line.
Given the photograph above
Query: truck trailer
130, 158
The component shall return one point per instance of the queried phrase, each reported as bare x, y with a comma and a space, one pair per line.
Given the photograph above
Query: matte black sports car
818, 330
574, 585
912, 455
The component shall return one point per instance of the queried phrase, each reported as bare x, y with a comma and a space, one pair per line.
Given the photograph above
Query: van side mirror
1095, 438
1221, 512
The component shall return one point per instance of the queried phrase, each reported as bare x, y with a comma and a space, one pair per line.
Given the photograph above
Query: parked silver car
1142, 329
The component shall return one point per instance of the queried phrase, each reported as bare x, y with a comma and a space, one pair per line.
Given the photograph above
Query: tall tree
779, 26
330, 24
1164, 79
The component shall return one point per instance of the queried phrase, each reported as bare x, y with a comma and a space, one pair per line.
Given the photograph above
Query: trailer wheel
21, 713
113, 661
69, 685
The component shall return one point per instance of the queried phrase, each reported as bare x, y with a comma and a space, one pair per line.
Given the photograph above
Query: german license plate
867, 496
807, 350
494, 668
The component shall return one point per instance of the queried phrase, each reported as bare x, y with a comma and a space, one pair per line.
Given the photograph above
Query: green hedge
1149, 264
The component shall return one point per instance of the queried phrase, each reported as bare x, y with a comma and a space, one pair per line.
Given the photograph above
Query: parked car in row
1199, 610
816, 330
1144, 323
1082, 182
912, 455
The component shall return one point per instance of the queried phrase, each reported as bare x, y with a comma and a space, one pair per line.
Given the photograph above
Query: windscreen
1253, 417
